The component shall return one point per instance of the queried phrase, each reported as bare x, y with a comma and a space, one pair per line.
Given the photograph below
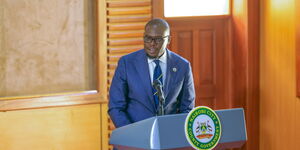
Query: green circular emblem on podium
203, 128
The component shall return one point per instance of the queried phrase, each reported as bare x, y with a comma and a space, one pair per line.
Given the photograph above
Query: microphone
160, 93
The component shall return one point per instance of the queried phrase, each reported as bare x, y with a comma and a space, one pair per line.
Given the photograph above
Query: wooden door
202, 42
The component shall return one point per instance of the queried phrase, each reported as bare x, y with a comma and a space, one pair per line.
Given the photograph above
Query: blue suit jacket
131, 97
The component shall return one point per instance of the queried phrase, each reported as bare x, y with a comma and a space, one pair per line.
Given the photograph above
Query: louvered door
125, 27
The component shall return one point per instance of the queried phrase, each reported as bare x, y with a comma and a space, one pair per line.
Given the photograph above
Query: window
179, 8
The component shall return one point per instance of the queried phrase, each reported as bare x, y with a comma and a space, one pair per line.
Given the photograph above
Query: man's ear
169, 39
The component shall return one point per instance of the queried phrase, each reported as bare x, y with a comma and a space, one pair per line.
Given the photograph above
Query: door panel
202, 43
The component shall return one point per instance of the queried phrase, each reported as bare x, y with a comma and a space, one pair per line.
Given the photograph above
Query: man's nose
152, 42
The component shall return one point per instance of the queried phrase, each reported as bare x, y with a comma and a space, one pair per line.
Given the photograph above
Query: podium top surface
166, 132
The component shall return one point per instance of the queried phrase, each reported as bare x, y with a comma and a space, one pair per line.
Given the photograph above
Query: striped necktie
157, 75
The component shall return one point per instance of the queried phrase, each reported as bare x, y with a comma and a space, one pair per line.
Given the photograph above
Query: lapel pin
174, 69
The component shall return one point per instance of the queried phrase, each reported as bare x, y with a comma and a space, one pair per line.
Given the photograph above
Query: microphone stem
161, 111
158, 86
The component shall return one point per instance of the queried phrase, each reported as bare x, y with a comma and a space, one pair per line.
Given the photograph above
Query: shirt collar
162, 58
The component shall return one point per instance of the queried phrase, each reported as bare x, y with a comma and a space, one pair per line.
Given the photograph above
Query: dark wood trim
57, 100
245, 66
252, 101
297, 2
157, 9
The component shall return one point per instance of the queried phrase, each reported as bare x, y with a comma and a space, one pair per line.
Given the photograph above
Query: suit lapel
171, 73
142, 67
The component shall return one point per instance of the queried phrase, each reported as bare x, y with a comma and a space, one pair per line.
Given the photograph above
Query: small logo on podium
203, 128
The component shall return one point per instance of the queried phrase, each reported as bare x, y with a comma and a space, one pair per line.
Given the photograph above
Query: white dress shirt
163, 66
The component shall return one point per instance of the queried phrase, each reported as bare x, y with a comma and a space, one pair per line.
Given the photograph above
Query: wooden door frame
244, 59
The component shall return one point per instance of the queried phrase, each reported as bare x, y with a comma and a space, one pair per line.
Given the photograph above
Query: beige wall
62, 128
279, 106
46, 47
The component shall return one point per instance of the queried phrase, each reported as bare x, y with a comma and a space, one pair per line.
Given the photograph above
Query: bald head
159, 25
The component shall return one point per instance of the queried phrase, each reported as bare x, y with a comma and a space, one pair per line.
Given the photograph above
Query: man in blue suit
132, 97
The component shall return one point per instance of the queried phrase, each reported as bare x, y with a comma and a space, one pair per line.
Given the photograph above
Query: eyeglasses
157, 40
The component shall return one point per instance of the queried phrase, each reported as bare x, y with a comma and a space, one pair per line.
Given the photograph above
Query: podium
167, 132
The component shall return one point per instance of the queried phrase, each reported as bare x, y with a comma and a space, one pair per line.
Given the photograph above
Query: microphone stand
161, 104
158, 86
